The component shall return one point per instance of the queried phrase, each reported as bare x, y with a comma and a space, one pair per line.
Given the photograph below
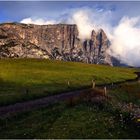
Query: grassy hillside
85, 119
24, 79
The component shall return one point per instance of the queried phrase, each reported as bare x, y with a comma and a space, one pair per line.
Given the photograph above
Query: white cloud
82, 20
88, 19
126, 41
37, 21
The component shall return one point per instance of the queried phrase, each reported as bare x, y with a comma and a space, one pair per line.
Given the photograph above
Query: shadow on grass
12, 92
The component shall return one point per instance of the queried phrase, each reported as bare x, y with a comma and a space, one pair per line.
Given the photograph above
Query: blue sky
18, 10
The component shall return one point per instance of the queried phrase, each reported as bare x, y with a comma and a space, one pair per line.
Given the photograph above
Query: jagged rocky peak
96, 48
59, 41
93, 35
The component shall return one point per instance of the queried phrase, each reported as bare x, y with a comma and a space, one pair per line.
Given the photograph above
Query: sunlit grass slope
24, 79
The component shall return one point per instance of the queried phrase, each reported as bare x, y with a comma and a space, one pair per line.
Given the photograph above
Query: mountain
58, 41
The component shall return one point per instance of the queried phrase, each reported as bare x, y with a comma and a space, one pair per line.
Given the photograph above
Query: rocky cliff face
96, 47
52, 42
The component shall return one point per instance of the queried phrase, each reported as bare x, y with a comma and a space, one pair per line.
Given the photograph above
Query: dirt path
45, 101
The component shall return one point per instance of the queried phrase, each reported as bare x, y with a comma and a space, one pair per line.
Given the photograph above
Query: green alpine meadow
26, 79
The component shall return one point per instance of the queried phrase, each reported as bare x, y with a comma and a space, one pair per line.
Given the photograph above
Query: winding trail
5, 111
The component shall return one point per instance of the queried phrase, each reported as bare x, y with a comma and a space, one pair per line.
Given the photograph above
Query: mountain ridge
56, 41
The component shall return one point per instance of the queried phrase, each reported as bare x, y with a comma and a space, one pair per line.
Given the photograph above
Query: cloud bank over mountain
126, 41
124, 35
38, 21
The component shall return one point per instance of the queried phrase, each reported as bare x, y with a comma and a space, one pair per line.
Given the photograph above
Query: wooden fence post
105, 92
130, 106
93, 84
68, 83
